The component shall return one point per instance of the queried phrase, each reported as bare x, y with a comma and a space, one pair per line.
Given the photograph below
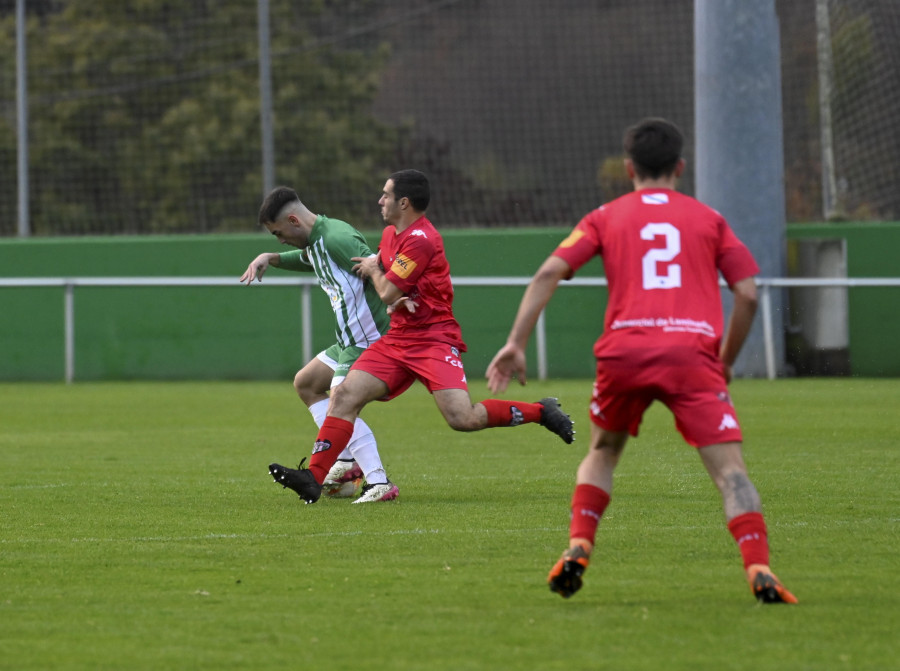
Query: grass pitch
139, 529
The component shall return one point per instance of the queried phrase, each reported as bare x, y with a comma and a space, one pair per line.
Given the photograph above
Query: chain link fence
145, 117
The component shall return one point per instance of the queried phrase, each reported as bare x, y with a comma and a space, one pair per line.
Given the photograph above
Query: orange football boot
565, 576
766, 586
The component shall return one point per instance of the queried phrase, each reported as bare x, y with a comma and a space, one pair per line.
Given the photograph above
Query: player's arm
370, 268
296, 259
510, 362
739, 322
289, 261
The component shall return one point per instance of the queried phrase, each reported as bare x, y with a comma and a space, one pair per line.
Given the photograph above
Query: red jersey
662, 252
415, 262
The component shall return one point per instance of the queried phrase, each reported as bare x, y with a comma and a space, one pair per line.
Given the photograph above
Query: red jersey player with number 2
662, 340
412, 276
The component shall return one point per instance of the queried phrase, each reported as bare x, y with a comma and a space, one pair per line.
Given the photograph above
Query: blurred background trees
144, 116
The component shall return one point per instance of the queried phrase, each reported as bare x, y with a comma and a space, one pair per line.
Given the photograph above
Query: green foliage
321, 97
140, 530
145, 116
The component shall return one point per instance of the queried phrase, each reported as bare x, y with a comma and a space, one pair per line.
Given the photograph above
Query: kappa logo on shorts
321, 446
728, 422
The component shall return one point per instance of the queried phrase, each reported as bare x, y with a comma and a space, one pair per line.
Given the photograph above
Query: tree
145, 115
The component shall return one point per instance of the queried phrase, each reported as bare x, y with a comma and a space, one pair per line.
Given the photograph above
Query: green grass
139, 529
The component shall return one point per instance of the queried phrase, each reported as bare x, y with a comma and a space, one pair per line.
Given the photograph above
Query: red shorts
436, 365
696, 393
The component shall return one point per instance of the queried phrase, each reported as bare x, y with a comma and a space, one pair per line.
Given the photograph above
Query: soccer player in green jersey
326, 246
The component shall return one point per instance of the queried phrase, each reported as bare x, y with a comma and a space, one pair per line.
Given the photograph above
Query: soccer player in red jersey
662, 340
411, 274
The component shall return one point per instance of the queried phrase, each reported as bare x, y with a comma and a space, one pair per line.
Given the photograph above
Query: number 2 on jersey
655, 258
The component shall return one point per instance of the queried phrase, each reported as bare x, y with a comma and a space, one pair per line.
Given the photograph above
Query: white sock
364, 449
319, 410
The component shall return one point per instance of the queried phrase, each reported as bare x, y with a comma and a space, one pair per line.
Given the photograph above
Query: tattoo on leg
739, 495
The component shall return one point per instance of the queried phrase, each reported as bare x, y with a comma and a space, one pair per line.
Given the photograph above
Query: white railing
306, 282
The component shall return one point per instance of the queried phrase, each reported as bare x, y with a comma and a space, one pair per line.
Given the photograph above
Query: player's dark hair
412, 184
654, 146
274, 203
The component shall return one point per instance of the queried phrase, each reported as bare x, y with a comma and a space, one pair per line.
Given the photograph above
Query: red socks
749, 531
331, 441
588, 504
511, 413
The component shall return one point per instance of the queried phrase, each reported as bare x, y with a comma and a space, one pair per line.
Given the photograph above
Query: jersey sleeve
294, 260
734, 260
410, 261
583, 243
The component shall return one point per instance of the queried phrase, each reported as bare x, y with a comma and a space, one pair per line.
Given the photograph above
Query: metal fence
146, 117
306, 283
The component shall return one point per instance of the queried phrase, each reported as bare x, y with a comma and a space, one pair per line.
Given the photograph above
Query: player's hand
365, 266
403, 301
507, 364
256, 269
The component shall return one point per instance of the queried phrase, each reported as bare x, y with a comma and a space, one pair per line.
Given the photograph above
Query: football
343, 480
342, 490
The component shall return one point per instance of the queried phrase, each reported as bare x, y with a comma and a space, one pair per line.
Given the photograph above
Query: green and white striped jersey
360, 316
